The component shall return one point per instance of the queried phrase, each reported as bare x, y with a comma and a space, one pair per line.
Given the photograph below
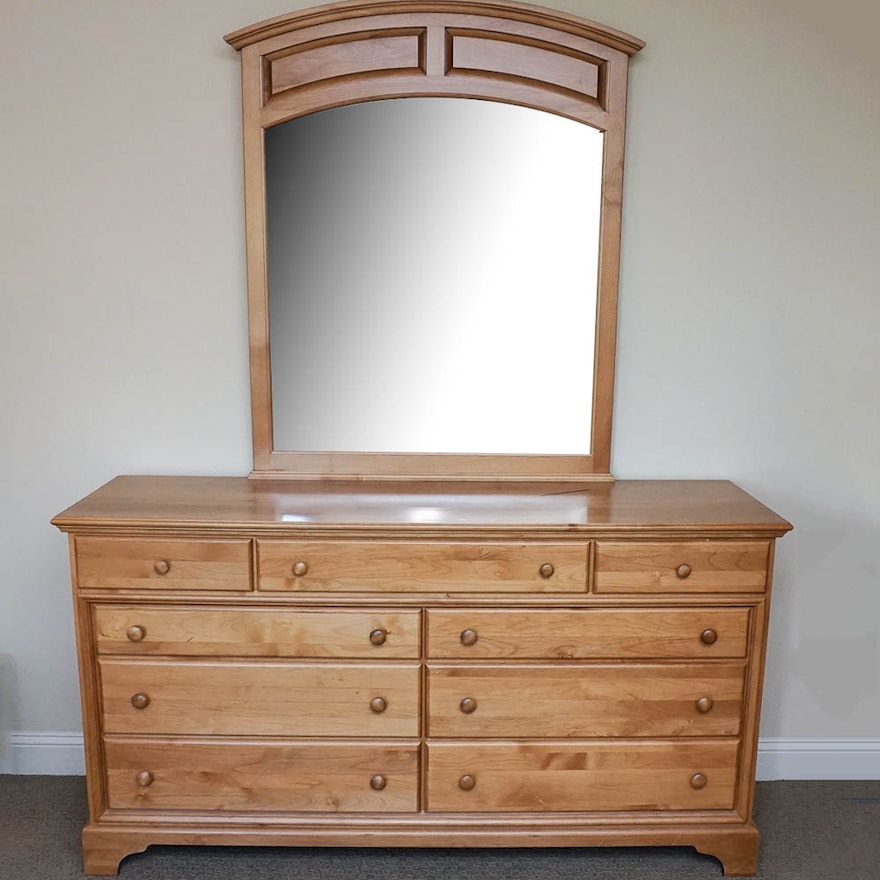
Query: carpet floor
810, 831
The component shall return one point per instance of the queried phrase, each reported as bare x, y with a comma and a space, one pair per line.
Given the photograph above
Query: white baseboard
51, 753
42, 753
818, 758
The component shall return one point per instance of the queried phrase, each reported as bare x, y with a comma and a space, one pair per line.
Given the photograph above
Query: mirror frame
364, 50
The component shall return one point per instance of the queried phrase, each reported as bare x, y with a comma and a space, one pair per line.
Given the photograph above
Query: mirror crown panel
330, 56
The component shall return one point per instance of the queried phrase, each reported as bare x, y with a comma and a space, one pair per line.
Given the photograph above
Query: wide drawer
211, 775
422, 566
585, 700
256, 632
260, 698
588, 633
681, 566
582, 776
159, 564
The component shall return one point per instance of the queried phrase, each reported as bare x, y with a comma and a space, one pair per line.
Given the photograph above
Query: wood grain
259, 698
681, 566
154, 564
594, 775
232, 776
584, 634
460, 567
253, 632
584, 700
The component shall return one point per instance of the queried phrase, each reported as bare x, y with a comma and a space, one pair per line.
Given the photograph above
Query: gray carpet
810, 831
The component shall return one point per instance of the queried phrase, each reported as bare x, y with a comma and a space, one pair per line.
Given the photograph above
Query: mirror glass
432, 267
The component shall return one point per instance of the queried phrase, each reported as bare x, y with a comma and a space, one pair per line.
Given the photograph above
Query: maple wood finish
457, 703
463, 650
366, 50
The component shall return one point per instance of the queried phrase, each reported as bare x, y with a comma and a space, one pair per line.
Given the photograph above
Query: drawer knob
140, 701
300, 568
378, 705
378, 636
683, 570
546, 570
161, 566
469, 637
468, 705
708, 636
467, 782
698, 780
705, 704
144, 778
135, 633
378, 782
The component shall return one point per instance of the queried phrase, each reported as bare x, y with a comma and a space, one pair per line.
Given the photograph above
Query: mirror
432, 202
432, 268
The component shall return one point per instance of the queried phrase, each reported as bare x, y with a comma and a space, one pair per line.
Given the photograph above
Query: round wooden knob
161, 566
705, 704
378, 636
378, 782
546, 570
466, 782
378, 705
698, 780
708, 636
469, 637
468, 705
140, 701
135, 633
300, 568
144, 778
683, 570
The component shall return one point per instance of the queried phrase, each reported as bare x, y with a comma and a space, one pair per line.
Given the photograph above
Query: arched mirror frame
363, 50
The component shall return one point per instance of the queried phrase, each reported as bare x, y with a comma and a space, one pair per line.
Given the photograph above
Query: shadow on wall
836, 610
9, 709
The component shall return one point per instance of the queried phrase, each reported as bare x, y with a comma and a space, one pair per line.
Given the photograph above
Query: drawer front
681, 566
251, 632
232, 776
260, 698
577, 700
411, 566
157, 564
582, 776
588, 633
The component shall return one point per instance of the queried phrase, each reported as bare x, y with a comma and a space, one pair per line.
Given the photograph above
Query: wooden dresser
354, 664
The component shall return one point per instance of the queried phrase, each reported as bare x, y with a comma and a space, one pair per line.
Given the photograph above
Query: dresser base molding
105, 846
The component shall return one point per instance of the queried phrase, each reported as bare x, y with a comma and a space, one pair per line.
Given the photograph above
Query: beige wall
749, 301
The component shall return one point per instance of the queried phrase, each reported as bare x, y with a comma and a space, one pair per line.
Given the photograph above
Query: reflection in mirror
432, 270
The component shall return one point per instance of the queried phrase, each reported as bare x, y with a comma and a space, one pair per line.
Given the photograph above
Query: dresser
332, 663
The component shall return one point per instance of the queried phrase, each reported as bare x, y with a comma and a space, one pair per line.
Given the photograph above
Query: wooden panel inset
259, 698
588, 633
592, 775
256, 632
346, 55
568, 700
228, 775
521, 58
163, 564
681, 566
420, 566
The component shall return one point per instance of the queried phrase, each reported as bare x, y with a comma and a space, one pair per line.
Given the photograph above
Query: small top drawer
681, 566
256, 632
422, 567
160, 564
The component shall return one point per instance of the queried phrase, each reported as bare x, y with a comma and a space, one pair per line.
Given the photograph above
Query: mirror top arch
363, 50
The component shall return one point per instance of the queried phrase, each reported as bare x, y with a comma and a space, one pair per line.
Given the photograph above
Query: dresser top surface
300, 506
